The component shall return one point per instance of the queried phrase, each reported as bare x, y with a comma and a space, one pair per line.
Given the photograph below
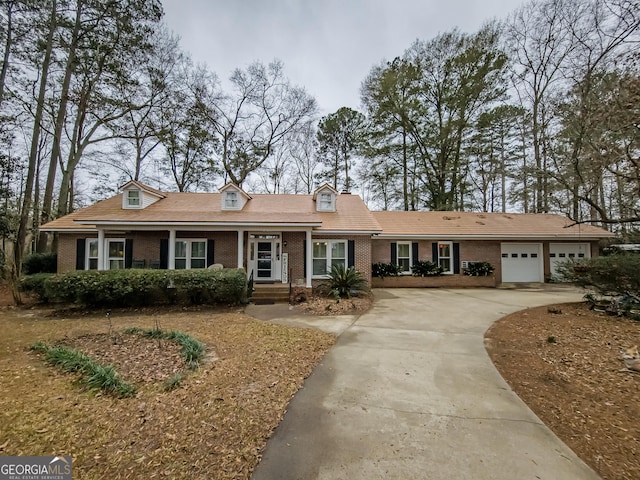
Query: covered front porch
270, 255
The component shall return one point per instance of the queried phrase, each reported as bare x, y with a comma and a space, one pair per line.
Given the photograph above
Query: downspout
171, 262
309, 272
101, 259
241, 249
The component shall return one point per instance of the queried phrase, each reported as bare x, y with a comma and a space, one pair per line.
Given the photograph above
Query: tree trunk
7, 50
47, 199
19, 248
405, 170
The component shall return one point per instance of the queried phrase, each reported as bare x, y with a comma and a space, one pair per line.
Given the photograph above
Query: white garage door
561, 252
522, 262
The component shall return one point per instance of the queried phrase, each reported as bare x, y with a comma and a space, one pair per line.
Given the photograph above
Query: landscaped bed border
442, 281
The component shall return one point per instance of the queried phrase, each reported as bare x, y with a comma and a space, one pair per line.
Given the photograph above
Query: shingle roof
351, 215
484, 225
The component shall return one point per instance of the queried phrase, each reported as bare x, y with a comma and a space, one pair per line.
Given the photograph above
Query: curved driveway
409, 392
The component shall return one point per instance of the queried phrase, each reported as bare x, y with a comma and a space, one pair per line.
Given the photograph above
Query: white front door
264, 257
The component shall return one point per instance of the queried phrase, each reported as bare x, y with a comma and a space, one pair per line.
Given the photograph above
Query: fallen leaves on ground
317, 305
564, 362
215, 425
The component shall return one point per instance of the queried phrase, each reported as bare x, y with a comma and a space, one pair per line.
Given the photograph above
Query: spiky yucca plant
343, 282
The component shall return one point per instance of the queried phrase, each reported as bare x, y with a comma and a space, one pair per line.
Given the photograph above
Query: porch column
171, 262
241, 249
309, 273
101, 262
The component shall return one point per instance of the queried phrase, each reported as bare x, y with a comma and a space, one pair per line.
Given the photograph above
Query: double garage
525, 262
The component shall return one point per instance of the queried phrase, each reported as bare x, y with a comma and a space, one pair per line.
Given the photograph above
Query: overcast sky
327, 46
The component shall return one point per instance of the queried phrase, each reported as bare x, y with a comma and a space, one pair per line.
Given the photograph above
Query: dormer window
136, 195
231, 200
325, 198
325, 202
233, 197
133, 199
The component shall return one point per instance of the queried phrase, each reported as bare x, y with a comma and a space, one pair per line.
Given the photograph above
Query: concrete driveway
409, 392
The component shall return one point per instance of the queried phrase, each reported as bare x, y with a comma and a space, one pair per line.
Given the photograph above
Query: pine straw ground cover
214, 425
564, 363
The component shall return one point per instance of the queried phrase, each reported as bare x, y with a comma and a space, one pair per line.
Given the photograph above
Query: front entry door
264, 260
264, 254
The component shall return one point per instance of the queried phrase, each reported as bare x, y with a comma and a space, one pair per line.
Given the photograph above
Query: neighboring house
297, 238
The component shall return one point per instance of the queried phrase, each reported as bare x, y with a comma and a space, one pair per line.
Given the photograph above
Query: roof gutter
166, 225
444, 236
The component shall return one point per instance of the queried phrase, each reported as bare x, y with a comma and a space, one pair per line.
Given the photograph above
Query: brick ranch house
296, 238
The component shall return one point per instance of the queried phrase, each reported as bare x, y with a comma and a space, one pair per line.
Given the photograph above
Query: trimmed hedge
36, 284
133, 287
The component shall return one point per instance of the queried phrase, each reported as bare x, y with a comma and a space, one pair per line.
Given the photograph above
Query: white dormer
325, 198
233, 197
136, 195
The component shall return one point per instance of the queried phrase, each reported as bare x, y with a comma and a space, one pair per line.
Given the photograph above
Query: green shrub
479, 269
344, 282
40, 263
227, 286
382, 270
610, 275
425, 268
3, 263
135, 287
36, 284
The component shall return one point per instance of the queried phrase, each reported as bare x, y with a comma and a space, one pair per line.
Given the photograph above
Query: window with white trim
326, 202
403, 256
231, 200
445, 256
115, 254
190, 254
91, 262
133, 198
328, 253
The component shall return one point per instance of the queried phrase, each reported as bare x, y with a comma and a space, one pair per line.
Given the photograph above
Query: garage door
561, 252
522, 262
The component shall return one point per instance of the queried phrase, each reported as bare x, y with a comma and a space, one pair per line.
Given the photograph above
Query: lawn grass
214, 425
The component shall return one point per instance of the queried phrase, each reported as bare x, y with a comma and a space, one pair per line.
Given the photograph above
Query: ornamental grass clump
94, 375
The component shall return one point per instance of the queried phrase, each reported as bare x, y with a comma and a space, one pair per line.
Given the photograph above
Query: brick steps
272, 293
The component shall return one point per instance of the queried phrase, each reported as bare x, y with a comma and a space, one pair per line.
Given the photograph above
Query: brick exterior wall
146, 246
295, 248
443, 281
470, 250
67, 250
